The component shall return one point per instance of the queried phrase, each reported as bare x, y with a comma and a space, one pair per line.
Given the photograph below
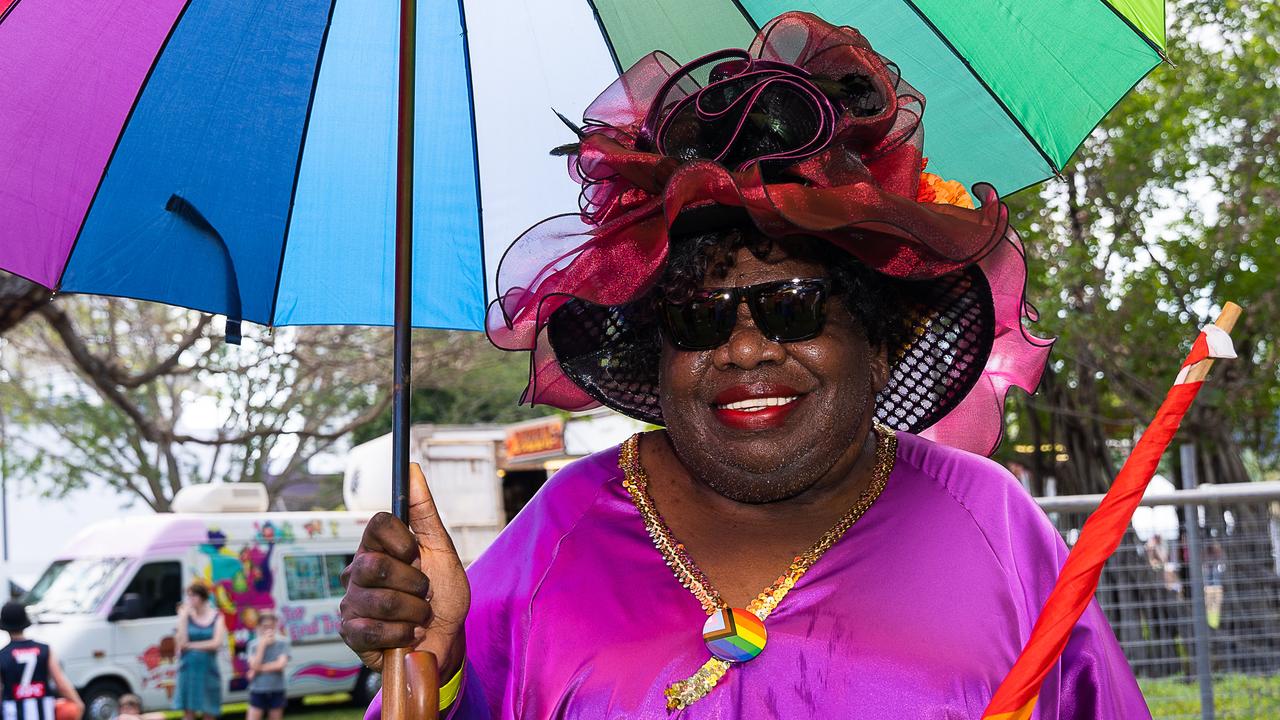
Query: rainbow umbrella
256, 140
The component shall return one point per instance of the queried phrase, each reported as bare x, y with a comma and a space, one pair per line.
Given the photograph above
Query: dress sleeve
1094, 679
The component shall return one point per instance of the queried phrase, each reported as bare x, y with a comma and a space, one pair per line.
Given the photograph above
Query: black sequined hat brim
612, 352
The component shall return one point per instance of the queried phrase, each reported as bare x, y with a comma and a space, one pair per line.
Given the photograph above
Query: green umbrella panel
1012, 88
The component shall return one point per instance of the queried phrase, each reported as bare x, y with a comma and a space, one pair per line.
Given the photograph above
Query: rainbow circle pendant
734, 634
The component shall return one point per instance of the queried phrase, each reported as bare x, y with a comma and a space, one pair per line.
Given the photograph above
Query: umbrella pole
404, 674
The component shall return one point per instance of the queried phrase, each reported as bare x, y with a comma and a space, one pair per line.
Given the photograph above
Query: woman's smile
756, 406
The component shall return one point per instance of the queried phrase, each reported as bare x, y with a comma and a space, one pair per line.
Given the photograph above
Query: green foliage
489, 392
148, 398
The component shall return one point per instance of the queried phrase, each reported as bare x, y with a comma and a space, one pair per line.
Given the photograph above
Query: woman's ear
879, 367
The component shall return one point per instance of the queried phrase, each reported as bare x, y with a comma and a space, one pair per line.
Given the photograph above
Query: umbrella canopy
238, 156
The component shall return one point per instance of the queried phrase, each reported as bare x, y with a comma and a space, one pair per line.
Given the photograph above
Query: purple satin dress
918, 612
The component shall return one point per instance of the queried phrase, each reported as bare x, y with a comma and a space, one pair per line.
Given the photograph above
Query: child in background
268, 655
131, 709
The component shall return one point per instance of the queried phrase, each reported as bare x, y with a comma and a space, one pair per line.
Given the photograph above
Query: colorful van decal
303, 627
161, 666
322, 671
241, 581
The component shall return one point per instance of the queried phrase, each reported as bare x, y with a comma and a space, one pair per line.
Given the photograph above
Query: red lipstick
758, 406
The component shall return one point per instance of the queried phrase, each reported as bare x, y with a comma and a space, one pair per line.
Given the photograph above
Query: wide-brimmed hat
806, 133
13, 617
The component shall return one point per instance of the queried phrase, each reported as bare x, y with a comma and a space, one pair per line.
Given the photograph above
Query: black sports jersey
25, 692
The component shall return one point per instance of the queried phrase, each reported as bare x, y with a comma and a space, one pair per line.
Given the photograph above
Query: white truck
481, 475
107, 603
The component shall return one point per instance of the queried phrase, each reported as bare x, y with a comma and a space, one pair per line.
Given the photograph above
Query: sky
39, 528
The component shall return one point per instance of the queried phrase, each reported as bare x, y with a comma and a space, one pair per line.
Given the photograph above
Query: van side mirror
129, 607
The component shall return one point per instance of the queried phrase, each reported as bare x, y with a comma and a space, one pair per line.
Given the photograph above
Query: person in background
31, 678
131, 709
201, 632
268, 656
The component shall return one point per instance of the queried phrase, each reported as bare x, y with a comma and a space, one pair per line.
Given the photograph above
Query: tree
18, 298
486, 392
148, 398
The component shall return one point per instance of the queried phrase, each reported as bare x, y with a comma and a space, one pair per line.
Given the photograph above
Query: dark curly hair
874, 300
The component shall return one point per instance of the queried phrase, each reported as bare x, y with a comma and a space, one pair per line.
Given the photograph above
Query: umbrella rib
475, 158
8, 10
1113, 106
124, 126
755, 26
608, 41
1151, 43
976, 76
297, 168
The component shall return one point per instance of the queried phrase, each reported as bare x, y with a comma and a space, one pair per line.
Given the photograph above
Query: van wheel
368, 683
102, 699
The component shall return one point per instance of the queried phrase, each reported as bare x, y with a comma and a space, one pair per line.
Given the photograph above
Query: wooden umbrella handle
410, 685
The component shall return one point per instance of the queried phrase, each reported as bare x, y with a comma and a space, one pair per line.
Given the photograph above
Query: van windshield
51, 573
79, 586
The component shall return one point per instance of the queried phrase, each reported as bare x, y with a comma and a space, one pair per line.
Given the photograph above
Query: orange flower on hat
934, 189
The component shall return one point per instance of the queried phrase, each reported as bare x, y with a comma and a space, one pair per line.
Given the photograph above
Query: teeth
758, 404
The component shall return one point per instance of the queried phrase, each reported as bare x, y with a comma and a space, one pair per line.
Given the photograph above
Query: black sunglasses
783, 311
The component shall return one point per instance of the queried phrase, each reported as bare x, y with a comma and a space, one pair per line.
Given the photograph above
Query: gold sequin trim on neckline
690, 576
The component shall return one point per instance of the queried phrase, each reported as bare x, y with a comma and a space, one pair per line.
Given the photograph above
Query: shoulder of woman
508, 571
986, 489
569, 493
962, 473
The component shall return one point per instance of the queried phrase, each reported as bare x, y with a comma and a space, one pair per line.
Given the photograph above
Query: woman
762, 268
201, 634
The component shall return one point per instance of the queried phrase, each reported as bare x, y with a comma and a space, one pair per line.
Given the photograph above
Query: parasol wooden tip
1229, 315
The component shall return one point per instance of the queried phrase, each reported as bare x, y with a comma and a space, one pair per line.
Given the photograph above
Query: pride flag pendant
734, 634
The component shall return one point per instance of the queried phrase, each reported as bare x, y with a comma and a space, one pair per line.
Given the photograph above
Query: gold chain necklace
735, 635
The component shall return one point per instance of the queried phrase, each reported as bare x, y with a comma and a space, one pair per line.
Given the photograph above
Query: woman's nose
747, 347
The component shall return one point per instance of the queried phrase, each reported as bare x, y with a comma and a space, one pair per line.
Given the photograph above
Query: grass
315, 707
1235, 697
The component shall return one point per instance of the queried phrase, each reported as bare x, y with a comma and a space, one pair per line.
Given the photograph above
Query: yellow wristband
449, 692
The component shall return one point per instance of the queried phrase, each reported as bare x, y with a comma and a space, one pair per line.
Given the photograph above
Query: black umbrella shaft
403, 350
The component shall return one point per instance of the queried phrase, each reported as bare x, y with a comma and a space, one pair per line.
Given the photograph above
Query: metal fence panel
1146, 592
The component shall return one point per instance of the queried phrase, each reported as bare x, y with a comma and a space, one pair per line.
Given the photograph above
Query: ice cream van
108, 603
